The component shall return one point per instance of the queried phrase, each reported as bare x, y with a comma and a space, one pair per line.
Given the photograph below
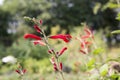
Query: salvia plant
88, 47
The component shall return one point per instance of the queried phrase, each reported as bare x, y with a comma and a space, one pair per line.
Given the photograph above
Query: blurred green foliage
67, 14
59, 16
25, 49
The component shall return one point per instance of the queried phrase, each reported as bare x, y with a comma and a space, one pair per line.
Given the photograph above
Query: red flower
24, 71
55, 67
21, 71
89, 34
37, 28
61, 66
82, 51
26, 36
52, 60
35, 42
51, 51
62, 51
85, 44
66, 37
41, 22
18, 71
85, 36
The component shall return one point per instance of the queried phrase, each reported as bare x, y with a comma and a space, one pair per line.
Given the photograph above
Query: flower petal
41, 22
32, 36
17, 71
62, 51
82, 51
65, 38
37, 28
24, 71
61, 65
35, 42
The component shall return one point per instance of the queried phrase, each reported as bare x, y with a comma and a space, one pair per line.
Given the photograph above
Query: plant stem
56, 57
62, 75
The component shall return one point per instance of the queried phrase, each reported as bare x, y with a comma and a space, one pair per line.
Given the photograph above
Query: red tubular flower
50, 51
55, 67
26, 36
88, 33
18, 71
37, 28
62, 51
88, 43
66, 37
21, 72
85, 36
85, 44
82, 44
35, 42
52, 60
61, 66
82, 51
41, 22
87, 30
24, 71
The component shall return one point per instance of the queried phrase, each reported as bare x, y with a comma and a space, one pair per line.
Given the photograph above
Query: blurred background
59, 16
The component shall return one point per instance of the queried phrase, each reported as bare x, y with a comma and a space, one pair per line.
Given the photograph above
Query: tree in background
66, 13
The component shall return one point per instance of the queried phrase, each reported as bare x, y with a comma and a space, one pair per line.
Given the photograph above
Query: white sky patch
1, 2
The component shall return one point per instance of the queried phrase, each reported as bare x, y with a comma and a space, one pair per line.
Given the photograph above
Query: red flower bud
61, 66
55, 68
52, 60
18, 71
49, 51
65, 38
82, 51
62, 51
88, 33
26, 36
24, 71
35, 42
41, 22
37, 28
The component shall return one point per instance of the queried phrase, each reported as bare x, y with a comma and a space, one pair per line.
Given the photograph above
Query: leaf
116, 32
98, 51
90, 63
118, 17
114, 76
117, 59
96, 8
104, 70
27, 18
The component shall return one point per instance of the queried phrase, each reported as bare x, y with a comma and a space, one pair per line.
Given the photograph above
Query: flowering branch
21, 71
43, 41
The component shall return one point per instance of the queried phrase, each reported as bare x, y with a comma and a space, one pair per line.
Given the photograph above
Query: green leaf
118, 16
117, 59
98, 51
104, 70
114, 76
90, 63
96, 8
116, 32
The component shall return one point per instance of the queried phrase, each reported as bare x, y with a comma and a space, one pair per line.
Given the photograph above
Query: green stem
56, 57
